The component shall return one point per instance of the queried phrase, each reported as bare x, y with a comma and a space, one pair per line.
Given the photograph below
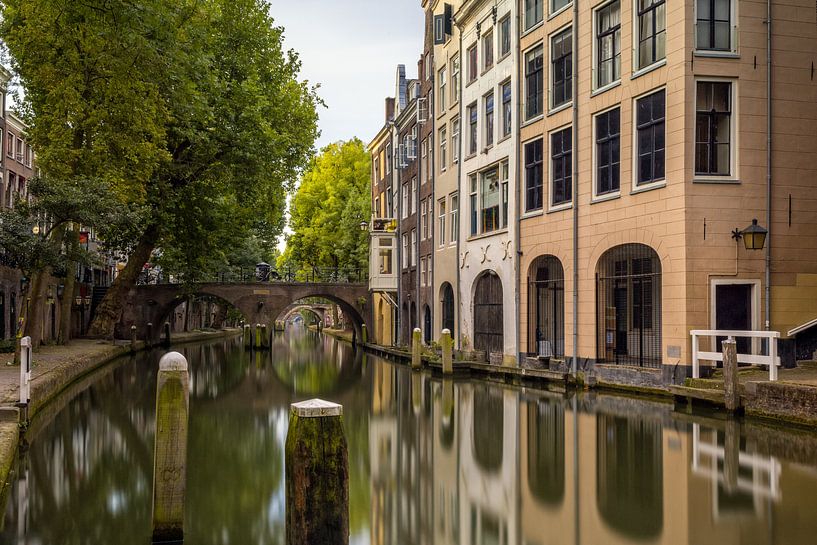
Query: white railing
772, 359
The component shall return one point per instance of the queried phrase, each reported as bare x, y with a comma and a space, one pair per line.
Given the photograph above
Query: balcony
383, 255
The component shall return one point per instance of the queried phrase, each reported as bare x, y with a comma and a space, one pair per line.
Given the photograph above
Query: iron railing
310, 275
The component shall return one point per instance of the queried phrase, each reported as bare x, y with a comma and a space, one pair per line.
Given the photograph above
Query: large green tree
325, 214
191, 112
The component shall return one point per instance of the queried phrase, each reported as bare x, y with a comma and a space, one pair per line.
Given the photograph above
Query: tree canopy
325, 213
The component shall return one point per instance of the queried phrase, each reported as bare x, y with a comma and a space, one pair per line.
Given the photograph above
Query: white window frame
413, 203
635, 188
405, 199
413, 244
549, 49
441, 77
523, 17
423, 272
456, 78
456, 136
734, 134
549, 159
596, 88
454, 212
594, 157
423, 219
443, 143
405, 251
553, 13
487, 42
441, 221
500, 54
488, 132
636, 41
734, 33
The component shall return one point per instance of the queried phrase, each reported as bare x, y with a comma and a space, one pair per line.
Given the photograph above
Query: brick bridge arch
260, 303
318, 310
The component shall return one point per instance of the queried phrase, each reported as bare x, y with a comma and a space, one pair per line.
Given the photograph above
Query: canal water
432, 461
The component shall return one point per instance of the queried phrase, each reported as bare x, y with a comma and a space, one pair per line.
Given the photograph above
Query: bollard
258, 335
170, 448
25, 371
149, 335
447, 347
364, 334
247, 336
731, 384
317, 475
416, 360
133, 338
166, 328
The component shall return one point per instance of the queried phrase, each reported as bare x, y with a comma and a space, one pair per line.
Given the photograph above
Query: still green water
432, 461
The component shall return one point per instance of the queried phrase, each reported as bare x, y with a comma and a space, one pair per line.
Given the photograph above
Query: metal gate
628, 285
488, 317
546, 306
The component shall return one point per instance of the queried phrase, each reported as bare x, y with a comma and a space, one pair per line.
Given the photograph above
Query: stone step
707, 395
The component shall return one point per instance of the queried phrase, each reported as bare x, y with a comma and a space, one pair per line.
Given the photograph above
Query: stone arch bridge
261, 302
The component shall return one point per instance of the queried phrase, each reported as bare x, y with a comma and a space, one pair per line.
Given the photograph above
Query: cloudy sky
352, 48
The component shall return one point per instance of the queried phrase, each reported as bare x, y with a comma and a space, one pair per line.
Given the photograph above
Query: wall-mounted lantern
754, 236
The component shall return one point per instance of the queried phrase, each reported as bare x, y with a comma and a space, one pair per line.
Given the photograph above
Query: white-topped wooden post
170, 448
317, 475
447, 347
416, 345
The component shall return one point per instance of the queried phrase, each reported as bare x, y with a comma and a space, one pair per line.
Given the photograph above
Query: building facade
602, 166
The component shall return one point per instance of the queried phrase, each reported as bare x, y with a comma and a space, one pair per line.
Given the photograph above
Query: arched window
448, 315
629, 306
546, 307
488, 316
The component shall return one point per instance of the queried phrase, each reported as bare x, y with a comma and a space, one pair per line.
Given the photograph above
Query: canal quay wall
790, 400
60, 369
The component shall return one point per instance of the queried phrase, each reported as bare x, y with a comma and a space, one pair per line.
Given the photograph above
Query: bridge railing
308, 275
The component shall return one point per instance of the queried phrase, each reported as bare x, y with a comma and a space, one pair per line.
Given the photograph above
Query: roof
803, 327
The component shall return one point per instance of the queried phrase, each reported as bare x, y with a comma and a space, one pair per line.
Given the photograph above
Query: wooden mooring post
416, 347
317, 475
170, 448
731, 382
447, 348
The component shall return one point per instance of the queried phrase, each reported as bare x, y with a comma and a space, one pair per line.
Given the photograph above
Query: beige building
447, 82
643, 146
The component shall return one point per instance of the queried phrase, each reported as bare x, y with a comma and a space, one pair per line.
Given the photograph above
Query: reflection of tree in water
546, 451
488, 426
215, 369
630, 479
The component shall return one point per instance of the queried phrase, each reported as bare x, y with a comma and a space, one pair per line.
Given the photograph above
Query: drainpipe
517, 204
768, 289
418, 315
458, 323
575, 363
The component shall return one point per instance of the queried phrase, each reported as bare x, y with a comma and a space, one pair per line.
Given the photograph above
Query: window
507, 112
385, 256
561, 167
608, 144
10, 145
389, 203
472, 197
713, 128
473, 67
414, 195
455, 79
424, 155
455, 140
651, 32
29, 154
422, 271
414, 247
19, 150
489, 197
376, 208
533, 175
405, 251
534, 82
405, 200
388, 158
713, 25
427, 64
533, 13
424, 219
608, 44
650, 139
472, 129
489, 120
455, 217
443, 139
505, 36
561, 58
487, 50
441, 221
503, 185
556, 5
429, 261
441, 97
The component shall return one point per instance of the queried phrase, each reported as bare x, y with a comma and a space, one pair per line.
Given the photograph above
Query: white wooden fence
772, 359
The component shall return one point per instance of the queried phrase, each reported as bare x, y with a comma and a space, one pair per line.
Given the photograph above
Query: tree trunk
110, 308
33, 306
68, 292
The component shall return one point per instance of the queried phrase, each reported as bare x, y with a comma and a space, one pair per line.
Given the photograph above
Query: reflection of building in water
488, 465
445, 464
383, 456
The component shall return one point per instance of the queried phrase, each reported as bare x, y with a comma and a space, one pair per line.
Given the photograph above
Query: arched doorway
488, 316
546, 307
546, 451
426, 324
628, 325
488, 427
448, 308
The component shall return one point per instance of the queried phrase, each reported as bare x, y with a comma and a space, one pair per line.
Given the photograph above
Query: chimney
389, 109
